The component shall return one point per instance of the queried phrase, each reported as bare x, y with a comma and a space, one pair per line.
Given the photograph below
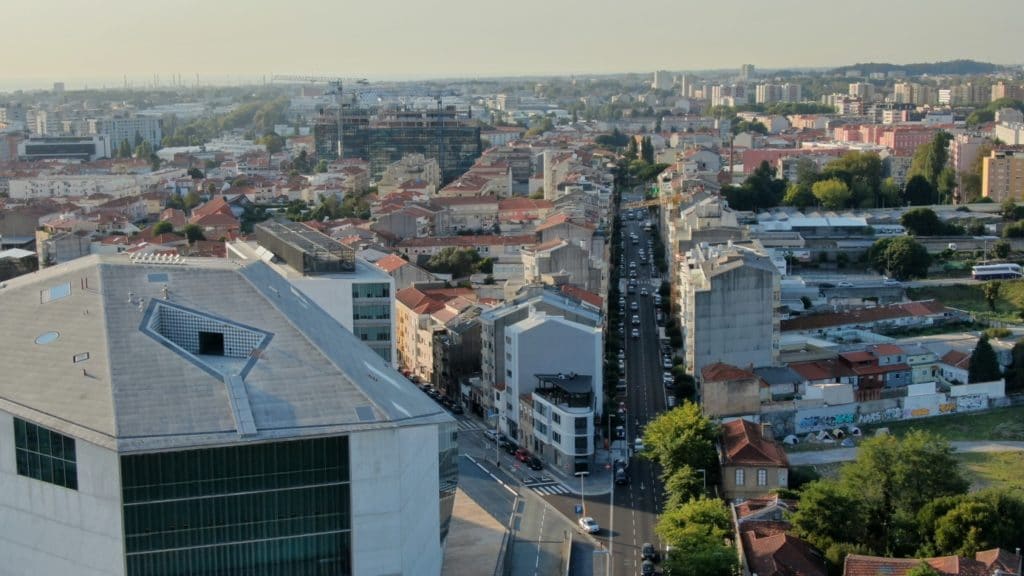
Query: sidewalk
474, 538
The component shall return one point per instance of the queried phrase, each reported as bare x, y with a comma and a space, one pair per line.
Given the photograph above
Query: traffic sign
579, 509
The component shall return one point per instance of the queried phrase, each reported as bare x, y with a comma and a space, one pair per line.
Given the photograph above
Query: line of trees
903, 498
698, 528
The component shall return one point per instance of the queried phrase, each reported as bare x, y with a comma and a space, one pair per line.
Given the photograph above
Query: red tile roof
864, 315
721, 372
468, 241
956, 359
743, 444
983, 564
816, 370
781, 555
581, 294
390, 263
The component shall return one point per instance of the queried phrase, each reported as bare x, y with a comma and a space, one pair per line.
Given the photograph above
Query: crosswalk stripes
548, 488
469, 425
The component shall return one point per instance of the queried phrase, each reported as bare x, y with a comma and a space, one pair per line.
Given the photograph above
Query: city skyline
455, 39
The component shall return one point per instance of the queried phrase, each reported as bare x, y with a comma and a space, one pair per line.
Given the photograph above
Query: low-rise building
753, 464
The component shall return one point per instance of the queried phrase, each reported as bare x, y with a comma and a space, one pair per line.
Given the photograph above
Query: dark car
534, 463
458, 409
509, 446
621, 477
647, 568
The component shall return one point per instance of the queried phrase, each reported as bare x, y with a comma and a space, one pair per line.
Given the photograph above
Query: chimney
766, 431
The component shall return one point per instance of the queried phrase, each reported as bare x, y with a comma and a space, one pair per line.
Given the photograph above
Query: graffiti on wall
947, 408
889, 414
971, 402
919, 412
812, 423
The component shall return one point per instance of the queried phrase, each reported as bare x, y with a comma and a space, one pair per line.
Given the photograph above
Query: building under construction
385, 137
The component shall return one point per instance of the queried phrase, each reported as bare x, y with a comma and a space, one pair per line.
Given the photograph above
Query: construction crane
334, 90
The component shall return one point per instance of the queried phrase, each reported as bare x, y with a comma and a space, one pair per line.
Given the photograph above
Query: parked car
647, 568
509, 446
522, 455
589, 525
634, 305
621, 476
845, 284
644, 292
666, 362
458, 409
535, 463
636, 320
635, 333
491, 435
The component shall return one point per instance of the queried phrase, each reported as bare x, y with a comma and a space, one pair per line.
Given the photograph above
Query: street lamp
703, 478
583, 503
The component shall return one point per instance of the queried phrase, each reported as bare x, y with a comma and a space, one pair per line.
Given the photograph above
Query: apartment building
728, 296
495, 321
121, 128
1002, 175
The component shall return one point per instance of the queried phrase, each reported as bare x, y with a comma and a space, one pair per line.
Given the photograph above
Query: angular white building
202, 417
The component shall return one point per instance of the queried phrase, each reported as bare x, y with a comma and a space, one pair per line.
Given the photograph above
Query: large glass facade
448, 469
45, 455
265, 509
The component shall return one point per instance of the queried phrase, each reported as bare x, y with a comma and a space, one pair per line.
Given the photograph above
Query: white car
589, 525
844, 284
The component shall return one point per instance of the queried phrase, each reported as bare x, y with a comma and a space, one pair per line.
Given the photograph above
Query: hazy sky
70, 40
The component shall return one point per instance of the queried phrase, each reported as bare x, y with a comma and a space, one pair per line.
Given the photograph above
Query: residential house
753, 464
766, 546
404, 273
922, 363
994, 562
920, 313
560, 425
782, 382
954, 366
726, 390
485, 245
456, 349
421, 311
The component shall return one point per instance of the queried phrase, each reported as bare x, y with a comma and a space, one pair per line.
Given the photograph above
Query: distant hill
965, 67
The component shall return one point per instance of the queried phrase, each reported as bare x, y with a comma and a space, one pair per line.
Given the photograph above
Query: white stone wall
48, 529
395, 508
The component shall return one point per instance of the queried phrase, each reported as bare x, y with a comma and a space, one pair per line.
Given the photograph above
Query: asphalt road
637, 504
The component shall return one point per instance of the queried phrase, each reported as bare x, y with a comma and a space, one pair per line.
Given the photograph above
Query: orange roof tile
743, 443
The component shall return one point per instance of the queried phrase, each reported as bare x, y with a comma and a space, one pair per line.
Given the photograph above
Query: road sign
579, 509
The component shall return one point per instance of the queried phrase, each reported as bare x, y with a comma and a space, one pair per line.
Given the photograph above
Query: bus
996, 271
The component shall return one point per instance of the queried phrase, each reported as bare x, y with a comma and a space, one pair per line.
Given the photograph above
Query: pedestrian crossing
469, 425
548, 488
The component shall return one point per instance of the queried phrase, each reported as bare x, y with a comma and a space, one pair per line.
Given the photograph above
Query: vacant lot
972, 299
1001, 424
993, 469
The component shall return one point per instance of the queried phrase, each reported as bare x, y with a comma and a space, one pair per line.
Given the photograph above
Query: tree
923, 222
924, 569
321, 166
946, 185
194, 233
162, 227
984, 364
682, 486
888, 193
900, 257
303, 163
681, 437
759, 191
919, 192
828, 514
196, 174
272, 141
930, 160
833, 194
1001, 249
124, 150
459, 262
191, 200
991, 291
876, 500
799, 195
697, 532
964, 529
647, 150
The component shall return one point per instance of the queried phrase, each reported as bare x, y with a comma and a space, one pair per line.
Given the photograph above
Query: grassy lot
993, 469
1001, 424
971, 298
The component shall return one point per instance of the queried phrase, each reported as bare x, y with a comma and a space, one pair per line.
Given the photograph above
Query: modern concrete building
494, 322
560, 428
121, 128
82, 148
202, 417
552, 345
1002, 175
361, 298
728, 300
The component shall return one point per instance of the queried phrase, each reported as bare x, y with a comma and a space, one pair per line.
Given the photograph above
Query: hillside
964, 67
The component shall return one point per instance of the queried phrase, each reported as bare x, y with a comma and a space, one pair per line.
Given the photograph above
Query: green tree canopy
833, 194
459, 262
918, 191
930, 159
990, 290
162, 227
697, 532
900, 257
273, 141
925, 222
860, 171
799, 195
681, 437
761, 190
984, 364
194, 233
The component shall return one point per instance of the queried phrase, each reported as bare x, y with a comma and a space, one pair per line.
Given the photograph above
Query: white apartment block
121, 128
